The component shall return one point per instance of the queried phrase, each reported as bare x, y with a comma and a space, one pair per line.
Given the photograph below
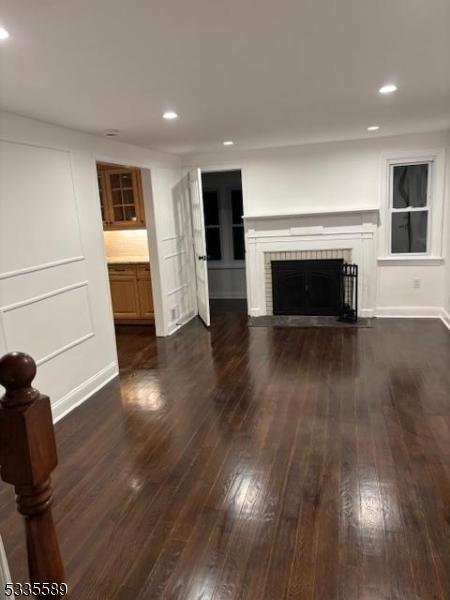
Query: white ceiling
260, 72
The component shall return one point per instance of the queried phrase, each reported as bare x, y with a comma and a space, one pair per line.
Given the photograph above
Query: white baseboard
445, 317
180, 322
408, 312
85, 390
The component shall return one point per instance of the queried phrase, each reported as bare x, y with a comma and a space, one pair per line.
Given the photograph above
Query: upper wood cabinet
120, 190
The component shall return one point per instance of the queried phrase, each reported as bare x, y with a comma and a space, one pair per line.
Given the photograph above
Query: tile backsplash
120, 244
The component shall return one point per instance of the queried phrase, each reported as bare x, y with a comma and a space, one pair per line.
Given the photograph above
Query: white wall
226, 277
334, 176
54, 292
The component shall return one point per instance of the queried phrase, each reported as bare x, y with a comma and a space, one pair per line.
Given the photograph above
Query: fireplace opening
307, 287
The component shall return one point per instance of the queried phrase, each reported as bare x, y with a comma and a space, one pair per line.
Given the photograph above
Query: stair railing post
27, 458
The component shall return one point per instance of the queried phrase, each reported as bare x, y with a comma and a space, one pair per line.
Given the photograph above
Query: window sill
410, 260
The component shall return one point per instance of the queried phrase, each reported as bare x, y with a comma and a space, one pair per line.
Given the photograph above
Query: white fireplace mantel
352, 230
313, 213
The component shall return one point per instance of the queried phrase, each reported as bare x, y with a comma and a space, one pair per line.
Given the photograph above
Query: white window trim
435, 204
427, 208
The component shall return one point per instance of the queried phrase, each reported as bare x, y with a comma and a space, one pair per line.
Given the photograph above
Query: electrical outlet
173, 313
416, 283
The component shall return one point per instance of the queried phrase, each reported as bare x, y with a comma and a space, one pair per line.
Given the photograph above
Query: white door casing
199, 242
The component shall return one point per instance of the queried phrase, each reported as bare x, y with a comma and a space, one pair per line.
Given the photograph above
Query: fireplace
307, 287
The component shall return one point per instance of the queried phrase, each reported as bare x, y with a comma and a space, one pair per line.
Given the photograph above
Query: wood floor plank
258, 463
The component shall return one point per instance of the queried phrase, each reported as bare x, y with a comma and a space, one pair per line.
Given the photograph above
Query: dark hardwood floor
259, 463
227, 305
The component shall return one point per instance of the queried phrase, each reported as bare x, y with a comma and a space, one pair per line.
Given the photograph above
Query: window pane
213, 243
127, 196
126, 180
236, 206
211, 208
115, 181
409, 232
118, 214
117, 198
410, 186
238, 243
130, 213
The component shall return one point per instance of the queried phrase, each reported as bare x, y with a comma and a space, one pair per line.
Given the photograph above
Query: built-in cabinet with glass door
121, 204
120, 190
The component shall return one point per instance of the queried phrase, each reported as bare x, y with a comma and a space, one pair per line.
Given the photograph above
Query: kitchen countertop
122, 260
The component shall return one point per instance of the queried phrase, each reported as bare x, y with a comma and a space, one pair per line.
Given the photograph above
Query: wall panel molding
174, 254
170, 238
177, 289
41, 267
32, 300
74, 316
65, 348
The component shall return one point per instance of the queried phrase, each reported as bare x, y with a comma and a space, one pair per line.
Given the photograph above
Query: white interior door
198, 233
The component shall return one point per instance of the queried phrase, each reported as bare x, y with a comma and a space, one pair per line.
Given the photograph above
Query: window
409, 207
237, 225
212, 224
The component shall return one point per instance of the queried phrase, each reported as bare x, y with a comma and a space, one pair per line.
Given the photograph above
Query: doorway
225, 241
122, 194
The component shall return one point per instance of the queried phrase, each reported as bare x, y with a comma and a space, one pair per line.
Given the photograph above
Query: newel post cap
17, 371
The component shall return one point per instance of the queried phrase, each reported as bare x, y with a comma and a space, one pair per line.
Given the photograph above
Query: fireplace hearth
307, 287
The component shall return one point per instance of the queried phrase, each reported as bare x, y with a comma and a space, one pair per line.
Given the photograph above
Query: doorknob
204, 257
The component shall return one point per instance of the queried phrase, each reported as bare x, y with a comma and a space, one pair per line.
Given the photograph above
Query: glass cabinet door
125, 197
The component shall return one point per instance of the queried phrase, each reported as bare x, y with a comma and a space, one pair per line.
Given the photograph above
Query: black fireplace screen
349, 293
315, 287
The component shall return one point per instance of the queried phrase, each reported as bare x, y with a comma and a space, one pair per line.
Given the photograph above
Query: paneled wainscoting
259, 463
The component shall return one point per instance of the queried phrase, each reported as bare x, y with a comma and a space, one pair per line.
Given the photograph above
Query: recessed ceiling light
388, 88
111, 132
169, 115
373, 128
4, 33
228, 143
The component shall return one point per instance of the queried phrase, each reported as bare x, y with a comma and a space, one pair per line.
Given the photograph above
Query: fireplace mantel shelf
329, 212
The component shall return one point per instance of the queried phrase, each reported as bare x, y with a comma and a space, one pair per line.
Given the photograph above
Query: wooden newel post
27, 458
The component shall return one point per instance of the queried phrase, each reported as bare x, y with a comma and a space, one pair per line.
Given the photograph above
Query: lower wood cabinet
144, 284
131, 292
